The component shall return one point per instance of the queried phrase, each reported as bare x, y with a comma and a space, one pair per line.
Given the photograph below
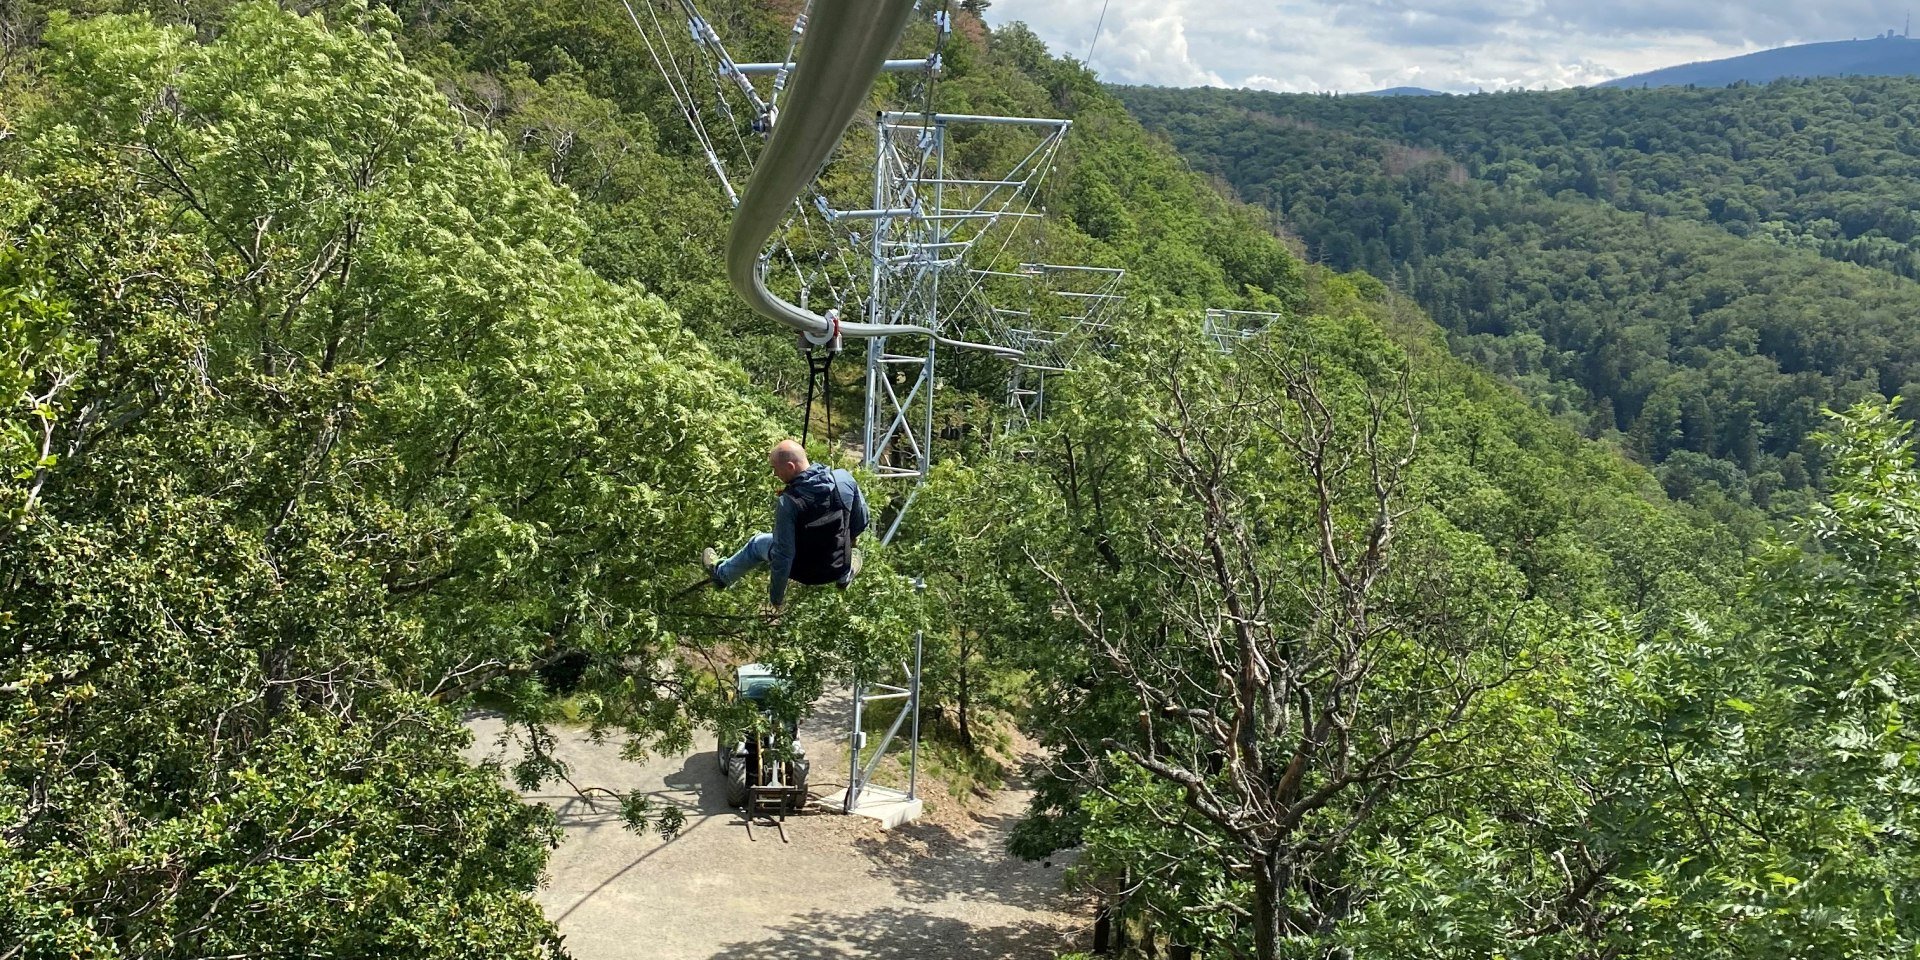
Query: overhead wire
746, 152
662, 51
943, 25
704, 36
1088, 62
1030, 190
684, 100
801, 212
819, 367
698, 121
786, 63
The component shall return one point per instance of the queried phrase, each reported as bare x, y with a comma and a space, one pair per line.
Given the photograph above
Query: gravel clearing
940, 889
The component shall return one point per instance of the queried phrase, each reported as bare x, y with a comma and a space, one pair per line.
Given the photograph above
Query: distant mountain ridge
1887, 56
1406, 92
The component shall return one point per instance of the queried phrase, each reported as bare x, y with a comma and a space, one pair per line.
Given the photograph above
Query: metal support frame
1229, 328
1026, 397
860, 776
923, 222
1065, 307
890, 66
925, 225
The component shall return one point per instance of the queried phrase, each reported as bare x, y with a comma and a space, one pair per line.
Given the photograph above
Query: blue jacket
814, 487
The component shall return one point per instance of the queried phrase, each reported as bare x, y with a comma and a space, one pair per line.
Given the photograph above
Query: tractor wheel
737, 782
798, 800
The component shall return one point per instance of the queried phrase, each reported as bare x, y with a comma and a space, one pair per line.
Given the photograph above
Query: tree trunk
275, 661
966, 726
1271, 878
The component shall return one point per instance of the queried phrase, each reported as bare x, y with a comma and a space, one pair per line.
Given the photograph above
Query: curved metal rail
847, 46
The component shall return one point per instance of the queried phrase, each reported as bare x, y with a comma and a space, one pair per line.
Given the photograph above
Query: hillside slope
1830, 166
1709, 350
1876, 57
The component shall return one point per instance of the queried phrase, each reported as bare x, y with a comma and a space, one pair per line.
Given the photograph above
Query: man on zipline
819, 515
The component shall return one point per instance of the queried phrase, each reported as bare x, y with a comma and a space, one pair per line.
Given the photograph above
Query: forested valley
1692, 274
369, 364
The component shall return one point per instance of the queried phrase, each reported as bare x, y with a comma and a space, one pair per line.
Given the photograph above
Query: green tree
36, 373
345, 436
1612, 228
1295, 670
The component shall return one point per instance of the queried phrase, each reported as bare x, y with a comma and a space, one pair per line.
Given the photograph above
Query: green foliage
353, 436
36, 371
350, 840
375, 391
1779, 810
338, 402
1824, 165
1722, 786
1516, 522
1594, 248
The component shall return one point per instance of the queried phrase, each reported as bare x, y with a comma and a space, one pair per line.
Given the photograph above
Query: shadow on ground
929, 863
882, 934
698, 786
575, 812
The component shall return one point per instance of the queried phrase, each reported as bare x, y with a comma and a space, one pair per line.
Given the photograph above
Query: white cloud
1461, 45
1141, 37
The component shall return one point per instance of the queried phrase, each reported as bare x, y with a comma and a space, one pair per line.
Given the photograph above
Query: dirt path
842, 888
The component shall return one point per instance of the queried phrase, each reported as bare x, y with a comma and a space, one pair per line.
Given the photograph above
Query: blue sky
1460, 45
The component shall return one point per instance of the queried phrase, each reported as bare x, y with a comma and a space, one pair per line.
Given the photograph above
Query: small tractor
765, 768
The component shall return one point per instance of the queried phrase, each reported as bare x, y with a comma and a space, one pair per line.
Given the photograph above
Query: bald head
788, 460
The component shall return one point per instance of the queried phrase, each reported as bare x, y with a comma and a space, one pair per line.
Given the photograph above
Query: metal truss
923, 222
1063, 308
1229, 328
926, 222
860, 785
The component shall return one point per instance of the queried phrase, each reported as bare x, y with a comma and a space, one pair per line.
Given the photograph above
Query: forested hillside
1829, 165
1658, 263
370, 365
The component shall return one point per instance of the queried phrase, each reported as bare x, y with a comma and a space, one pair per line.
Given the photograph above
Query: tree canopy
370, 366
1668, 269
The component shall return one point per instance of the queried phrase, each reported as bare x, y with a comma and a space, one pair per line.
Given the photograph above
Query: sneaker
710, 562
853, 569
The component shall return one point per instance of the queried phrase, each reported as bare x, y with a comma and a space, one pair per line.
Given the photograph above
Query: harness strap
820, 372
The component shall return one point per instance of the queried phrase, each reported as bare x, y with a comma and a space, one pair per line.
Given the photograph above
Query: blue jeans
752, 555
